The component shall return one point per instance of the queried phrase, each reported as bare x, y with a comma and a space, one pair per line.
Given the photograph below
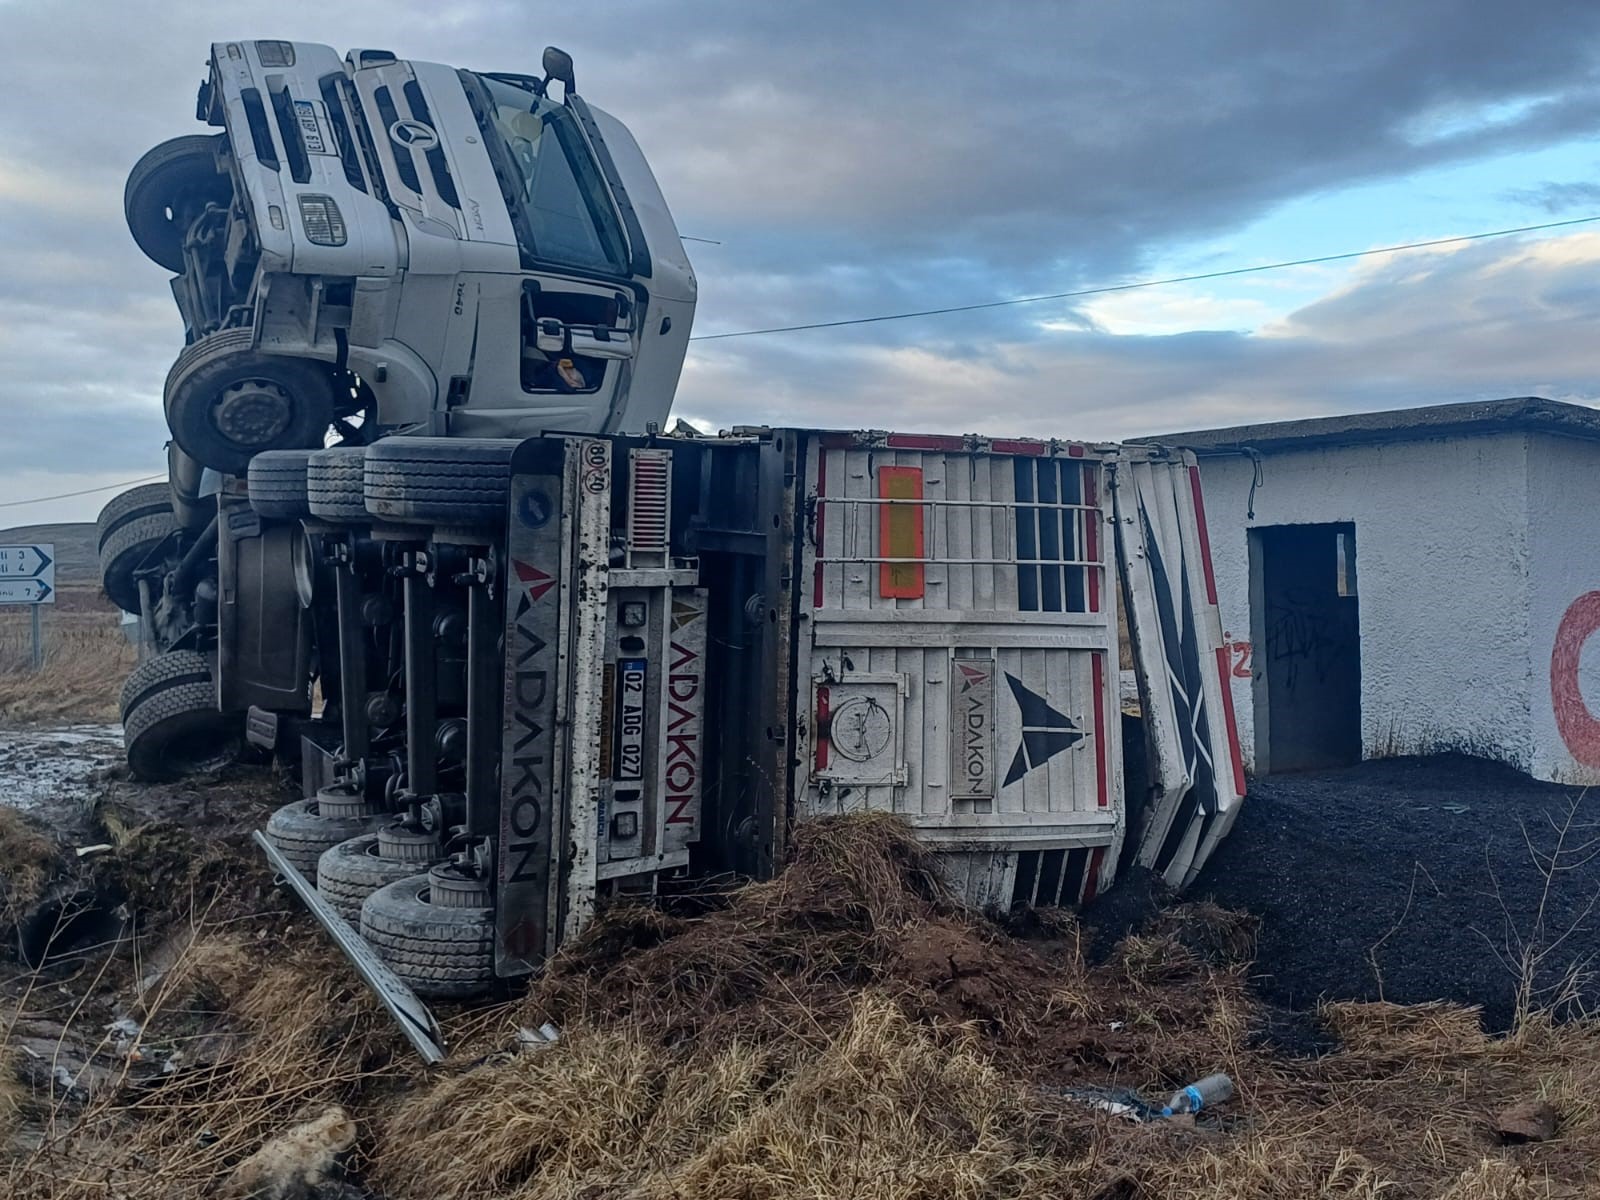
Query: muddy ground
841, 1031
1418, 879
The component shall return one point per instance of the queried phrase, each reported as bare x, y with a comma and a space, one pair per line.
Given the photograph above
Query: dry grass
270, 1043
86, 659
26, 858
842, 1031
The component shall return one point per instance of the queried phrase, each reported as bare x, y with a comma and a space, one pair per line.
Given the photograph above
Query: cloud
854, 159
1559, 198
1486, 321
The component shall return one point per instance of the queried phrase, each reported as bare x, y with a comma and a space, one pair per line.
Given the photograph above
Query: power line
110, 487
1145, 283
959, 308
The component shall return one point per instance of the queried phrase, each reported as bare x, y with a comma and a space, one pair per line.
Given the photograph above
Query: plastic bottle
1213, 1089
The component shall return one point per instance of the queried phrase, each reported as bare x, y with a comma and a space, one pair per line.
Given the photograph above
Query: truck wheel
161, 672
226, 402
440, 481
303, 829
146, 500
170, 723
278, 483
167, 189
132, 528
439, 951
351, 871
334, 487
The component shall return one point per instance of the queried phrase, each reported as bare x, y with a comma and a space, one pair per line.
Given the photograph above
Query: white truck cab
427, 249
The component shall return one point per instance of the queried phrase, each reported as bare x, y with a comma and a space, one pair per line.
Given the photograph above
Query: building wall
1564, 660
1443, 559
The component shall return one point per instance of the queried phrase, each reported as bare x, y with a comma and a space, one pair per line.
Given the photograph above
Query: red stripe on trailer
1009, 446
1205, 537
1233, 729
1098, 659
924, 441
823, 728
822, 514
1074, 451
1091, 534
1092, 875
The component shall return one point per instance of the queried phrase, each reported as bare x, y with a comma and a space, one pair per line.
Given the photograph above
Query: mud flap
1195, 769
412, 1015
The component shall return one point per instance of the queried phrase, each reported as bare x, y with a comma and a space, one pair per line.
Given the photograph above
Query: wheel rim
253, 412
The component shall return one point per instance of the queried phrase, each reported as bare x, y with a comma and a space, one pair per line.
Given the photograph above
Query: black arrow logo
1045, 732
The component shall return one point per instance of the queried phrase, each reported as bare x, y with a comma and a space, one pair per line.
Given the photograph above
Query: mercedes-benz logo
414, 135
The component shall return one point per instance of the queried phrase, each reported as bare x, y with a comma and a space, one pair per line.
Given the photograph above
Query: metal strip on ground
410, 1013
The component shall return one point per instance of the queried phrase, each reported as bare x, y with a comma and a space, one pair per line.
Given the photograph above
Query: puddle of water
45, 767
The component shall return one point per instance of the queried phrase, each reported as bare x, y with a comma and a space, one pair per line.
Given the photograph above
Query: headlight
275, 54
324, 224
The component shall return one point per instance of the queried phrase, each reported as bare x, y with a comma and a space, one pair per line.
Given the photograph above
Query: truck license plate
310, 127
631, 675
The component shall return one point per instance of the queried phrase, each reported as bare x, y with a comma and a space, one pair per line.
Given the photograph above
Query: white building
1411, 582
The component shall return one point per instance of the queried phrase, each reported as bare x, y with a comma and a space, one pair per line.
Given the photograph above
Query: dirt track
1412, 880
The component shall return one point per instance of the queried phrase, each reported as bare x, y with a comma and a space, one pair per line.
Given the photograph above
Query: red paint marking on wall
1205, 537
1091, 882
1577, 725
1243, 668
1098, 661
1091, 533
1234, 752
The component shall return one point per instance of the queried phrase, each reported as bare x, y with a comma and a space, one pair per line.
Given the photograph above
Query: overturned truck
577, 667
521, 671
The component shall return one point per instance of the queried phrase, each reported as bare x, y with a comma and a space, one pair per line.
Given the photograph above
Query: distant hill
77, 556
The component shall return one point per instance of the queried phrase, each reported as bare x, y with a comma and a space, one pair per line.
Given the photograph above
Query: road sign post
28, 576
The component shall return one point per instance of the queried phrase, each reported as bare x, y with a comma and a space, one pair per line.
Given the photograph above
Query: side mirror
558, 65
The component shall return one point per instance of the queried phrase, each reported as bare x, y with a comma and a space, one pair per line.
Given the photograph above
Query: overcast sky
861, 159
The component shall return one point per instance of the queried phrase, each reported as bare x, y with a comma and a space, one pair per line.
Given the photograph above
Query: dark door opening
1305, 623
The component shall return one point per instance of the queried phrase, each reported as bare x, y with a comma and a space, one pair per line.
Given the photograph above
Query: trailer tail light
900, 534
323, 222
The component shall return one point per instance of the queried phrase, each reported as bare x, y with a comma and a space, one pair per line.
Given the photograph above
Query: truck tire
161, 672
277, 482
167, 189
301, 831
334, 484
351, 871
226, 401
131, 527
146, 500
170, 723
440, 481
128, 549
439, 952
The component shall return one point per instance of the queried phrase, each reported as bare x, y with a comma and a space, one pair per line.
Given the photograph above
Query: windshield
558, 201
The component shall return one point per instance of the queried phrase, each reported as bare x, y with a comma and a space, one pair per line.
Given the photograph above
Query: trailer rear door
958, 654
1196, 780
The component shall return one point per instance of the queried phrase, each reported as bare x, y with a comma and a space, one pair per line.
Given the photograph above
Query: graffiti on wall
1303, 634
1578, 727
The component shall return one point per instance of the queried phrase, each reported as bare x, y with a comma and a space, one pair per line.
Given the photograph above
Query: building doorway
1305, 623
